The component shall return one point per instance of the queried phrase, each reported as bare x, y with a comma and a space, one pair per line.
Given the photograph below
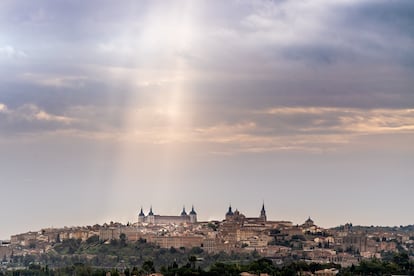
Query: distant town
281, 242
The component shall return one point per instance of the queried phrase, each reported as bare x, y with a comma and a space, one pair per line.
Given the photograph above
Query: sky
108, 106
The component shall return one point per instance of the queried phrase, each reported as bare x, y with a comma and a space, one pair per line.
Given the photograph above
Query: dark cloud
69, 21
386, 17
368, 27
56, 99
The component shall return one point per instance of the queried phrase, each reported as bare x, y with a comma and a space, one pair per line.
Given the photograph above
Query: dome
309, 220
192, 211
229, 212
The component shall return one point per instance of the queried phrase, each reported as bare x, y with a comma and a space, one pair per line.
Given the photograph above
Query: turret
193, 215
151, 217
183, 213
141, 216
150, 212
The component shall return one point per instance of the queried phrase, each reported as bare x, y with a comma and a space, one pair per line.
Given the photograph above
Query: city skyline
107, 107
170, 219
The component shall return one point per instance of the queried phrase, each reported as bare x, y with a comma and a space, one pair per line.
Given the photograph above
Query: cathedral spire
263, 212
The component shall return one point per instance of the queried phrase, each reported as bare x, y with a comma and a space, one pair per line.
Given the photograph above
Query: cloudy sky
107, 106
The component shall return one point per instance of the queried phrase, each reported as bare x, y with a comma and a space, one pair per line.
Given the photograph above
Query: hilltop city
279, 241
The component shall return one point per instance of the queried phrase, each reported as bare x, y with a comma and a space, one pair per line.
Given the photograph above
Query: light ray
167, 33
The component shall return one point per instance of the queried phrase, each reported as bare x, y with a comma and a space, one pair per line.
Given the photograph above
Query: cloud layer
137, 92
238, 71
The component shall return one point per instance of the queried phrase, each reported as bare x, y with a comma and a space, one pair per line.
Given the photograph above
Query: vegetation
219, 268
94, 257
120, 254
400, 265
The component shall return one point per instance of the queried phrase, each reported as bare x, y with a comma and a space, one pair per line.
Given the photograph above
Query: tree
262, 265
402, 260
113, 242
92, 239
196, 250
122, 240
192, 259
134, 271
148, 267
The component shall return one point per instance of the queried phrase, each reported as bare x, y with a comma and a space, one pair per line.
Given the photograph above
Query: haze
107, 106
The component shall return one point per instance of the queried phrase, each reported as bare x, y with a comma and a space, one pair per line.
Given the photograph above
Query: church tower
263, 213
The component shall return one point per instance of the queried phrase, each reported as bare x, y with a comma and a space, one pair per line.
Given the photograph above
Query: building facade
183, 218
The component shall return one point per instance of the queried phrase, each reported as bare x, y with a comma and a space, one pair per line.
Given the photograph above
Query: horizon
203, 221
307, 106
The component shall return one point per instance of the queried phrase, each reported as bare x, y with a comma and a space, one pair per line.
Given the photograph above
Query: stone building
236, 216
177, 241
183, 218
237, 227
